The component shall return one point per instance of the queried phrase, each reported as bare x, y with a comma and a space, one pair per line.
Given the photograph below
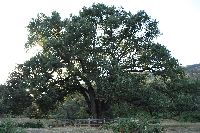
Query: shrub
129, 125
31, 125
8, 126
189, 116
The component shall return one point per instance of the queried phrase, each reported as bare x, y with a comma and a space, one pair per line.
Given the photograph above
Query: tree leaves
99, 53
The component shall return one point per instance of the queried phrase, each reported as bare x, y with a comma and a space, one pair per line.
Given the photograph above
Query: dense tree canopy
14, 96
104, 53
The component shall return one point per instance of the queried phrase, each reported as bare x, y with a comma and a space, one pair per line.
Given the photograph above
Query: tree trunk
93, 106
99, 108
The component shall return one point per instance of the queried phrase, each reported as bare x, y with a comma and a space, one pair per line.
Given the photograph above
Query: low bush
189, 116
8, 126
31, 125
131, 125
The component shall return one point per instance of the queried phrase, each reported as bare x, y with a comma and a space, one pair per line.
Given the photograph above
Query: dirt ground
172, 126
67, 130
192, 129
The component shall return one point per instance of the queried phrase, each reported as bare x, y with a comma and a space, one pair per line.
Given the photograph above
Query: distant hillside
193, 70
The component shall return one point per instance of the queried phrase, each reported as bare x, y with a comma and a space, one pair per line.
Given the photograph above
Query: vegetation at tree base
131, 125
95, 63
31, 125
74, 107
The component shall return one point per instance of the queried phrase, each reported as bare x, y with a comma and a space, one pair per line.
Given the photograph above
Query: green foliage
16, 98
155, 95
102, 53
126, 110
74, 107
33, 111
189, 116
82, 113
8, 126
185, 95
162, 99
3, 106
127, 125
31, 125
150, 94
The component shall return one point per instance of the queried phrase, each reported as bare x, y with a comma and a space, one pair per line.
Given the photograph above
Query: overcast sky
179, 21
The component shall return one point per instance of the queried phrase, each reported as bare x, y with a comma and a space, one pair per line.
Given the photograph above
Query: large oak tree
99, 53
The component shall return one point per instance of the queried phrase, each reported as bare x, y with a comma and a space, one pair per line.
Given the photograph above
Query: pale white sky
179, 21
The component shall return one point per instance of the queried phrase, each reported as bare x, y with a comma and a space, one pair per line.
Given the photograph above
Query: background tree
102, 54
15, 97
193, 71
3, 107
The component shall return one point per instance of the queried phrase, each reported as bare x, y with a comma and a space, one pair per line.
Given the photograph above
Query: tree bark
93, 106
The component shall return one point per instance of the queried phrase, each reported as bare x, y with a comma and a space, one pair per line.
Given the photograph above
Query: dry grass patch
68, 130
